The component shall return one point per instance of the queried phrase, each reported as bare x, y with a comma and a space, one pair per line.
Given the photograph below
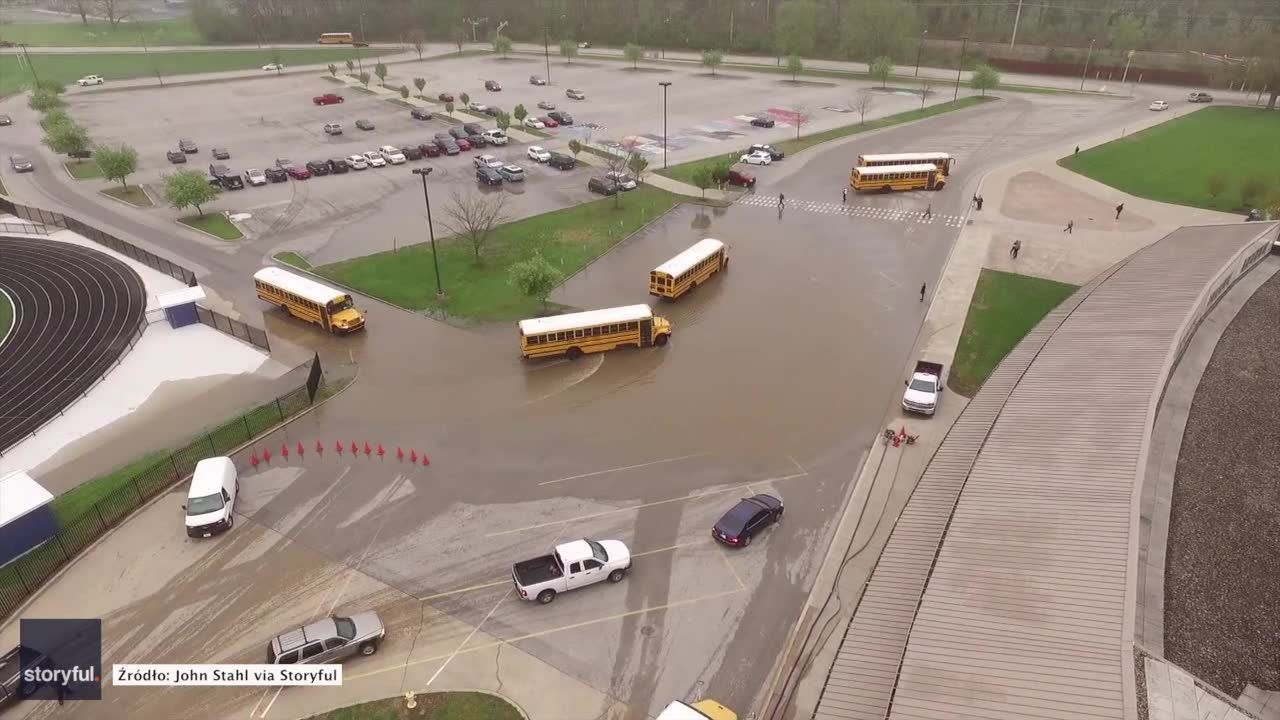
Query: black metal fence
234, 328
23, 228
84, 515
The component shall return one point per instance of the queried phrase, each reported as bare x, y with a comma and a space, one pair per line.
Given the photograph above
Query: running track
75, 311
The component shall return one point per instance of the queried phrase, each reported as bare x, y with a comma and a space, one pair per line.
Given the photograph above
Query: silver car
328, 640
21, 164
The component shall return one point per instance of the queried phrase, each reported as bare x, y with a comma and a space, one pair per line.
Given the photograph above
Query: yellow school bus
689, 269
592, 331
887, 178
308, 300
942, 161
336, 39
701, 710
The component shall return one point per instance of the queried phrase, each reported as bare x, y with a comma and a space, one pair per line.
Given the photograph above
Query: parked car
188, 146
486, 161
548, 121
492, 85
584, 45
1158, 105
560, 161
6, 120
537, 80
570, 566
493, 111
365, 125
221, 154
512, 173
328, 640
430, 149
1254, 215
283, 163
764, 122
328, 99
276, 175
231, 180
337, 166
924, 389
447, 144
741, 179
445, 97
750, 516
318, 167
411, 152
298, 172
488, 176
255, 177
477, 141
473, 128
561, 117
273, 67
604, 187
332, 129
477, 107
1198, 97
537, 153
375, 159
458, 132
494, 137
756, 158
88, 80
546, 105
21, 164
357, 162
621, 179
533, 122
176, 156
420, 114
463, 144
773, 152
575, 94
218, 169
392, 154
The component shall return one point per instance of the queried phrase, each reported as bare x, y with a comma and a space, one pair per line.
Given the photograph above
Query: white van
212, 497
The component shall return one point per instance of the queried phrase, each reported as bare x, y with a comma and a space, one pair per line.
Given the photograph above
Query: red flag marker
338, 446
355, 449
253, 459
284, 450
413, 456
367, 449
399, 453
381, 451
425, 461
266, 455
301, 450
319, 448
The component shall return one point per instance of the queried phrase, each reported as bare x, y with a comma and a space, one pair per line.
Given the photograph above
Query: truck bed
537, 570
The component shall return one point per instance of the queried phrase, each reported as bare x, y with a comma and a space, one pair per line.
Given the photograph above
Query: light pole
665, 84
546, 50
359, 62
919, 47
1087, 58
435, 260
1128, 59
31, 66
963, 45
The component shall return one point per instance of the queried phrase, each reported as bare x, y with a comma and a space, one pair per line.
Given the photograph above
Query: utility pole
1087, 58
665, 84
963, 45
546, 50
30, 66
1128, 59
359, 62
1016, 17
919, 47
147, 52
730, 28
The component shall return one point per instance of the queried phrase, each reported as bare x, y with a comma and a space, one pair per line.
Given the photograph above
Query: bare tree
474, 216
76, 7
802, 117
115, 10
614, 167
925, 88
861, 103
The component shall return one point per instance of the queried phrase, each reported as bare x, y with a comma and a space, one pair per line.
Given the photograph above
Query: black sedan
338, 166
488, 176
748, 517
276, 175
318, 167
176, 156
364, 124
420, 114
763, 122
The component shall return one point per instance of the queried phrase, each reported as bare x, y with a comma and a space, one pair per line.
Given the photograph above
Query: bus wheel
660, 340
573, 353
886, 189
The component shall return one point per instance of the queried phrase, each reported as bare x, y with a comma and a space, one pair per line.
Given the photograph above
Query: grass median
134, 195
292, 258
684, 172
1180, 161
569, 239
84, 170
1005, 307
215, 224
430, 706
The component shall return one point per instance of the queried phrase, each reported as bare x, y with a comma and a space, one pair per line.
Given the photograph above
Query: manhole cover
647, 630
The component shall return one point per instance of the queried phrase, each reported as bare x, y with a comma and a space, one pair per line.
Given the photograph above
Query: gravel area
1222, 575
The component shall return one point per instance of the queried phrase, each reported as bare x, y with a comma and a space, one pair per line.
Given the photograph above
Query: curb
104, 194
209, 234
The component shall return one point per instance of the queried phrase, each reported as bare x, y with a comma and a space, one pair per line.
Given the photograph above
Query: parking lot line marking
620, 469
463, 644
258, 704
267, 709
633, 508
725, 557
549, 631
390, 491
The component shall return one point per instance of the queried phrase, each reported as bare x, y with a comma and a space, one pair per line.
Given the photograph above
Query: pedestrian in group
1070, 224
1119, 209
974, 201
979, 202
922, 289
1077, 150
928, 212
1013, 250
782, 200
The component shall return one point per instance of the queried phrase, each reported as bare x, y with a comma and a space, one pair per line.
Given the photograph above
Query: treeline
1215, 26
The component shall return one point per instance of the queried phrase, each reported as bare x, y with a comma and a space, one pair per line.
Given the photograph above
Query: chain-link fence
87, 512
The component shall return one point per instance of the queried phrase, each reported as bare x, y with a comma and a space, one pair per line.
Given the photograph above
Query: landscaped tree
502, 45
575, 147
114, 10
52, 86
420, 83
1264, 48
473, 217
459, 38
189, 188
448, 107
615, 165
633, 53
56, 116
419, 40
795, 66
404, 92
925, 87
44, 101
465, 98
637, 164
795, 27
712, 59
67, 138
984, 78
1216, 184
881, 69
333, 70
702, 178
861, 103
1252, 189
801, 117
351, 66
503, 121
568, 50
381, 71
116, 163
364, 79
875, 28
535, 278
721, 168
519, 113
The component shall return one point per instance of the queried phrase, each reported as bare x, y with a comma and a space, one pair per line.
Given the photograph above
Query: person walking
1077, 150
1013, 250
1070, 224
782, 200
922, 289
979, 203
1119, 209
844, 195
928, 212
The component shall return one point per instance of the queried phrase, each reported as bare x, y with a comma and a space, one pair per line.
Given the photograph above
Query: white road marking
620, 469
463, 644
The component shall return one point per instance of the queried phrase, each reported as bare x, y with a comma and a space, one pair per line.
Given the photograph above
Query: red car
430, 149
328, 99
741, 179
463, 144
549, 122
298, 172
445, 97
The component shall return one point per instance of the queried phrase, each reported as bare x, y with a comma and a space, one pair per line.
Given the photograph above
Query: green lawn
80, 499
1173, 161
6, 315
69, 67
77, 34
134, 195
83, 170
568, 238
684, 172
215, 224
431, 706
294, 259
1004, 309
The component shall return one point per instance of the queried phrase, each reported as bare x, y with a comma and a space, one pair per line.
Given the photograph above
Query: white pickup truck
571, 566
923, 388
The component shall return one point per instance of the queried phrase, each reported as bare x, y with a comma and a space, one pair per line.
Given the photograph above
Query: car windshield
255, 173
921, 385
205, 504
19, 159
340, 304
345, 626
597, 550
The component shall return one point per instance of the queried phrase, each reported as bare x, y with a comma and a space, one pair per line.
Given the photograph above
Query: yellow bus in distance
573, 334
336, 39
942, 161
308, 300
689, 269
897, 177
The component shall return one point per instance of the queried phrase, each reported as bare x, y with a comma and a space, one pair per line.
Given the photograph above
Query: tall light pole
1087, 58
30, 66
919, 47
359, 62
1128, 59
963, 45
665, 84
546, 50
435, 260
1017, 16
